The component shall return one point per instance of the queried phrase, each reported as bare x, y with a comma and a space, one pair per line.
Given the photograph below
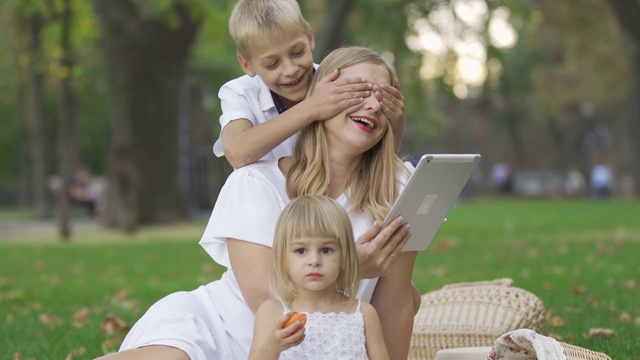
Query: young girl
314, 271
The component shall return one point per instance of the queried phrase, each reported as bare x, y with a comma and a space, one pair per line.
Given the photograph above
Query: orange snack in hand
296, 317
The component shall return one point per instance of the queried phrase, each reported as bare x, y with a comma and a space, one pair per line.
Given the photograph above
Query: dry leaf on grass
120, 296
556, 336
76, 352
600, 333
112, 325
625, 317
557, 321
80, 317
49, 320
579, 290
111, 344
629, 285
17, 356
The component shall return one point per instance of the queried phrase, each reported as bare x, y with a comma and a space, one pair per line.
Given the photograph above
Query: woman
350, 158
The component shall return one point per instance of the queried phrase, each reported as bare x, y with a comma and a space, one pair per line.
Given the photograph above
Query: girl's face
357, 131
314, 263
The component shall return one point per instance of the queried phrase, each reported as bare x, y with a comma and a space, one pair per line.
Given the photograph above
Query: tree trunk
328, 38
633, 119
67, 133
38, 125
145, 59
628, 12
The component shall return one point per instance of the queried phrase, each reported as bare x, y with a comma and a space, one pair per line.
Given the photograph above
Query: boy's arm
244, 143
392, 102
376, 347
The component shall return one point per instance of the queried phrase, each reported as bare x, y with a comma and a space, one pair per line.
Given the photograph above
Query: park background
128, 88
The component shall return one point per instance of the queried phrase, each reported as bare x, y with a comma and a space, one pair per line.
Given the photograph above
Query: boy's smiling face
285, 65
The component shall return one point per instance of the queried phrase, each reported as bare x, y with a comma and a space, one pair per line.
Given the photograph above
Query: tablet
430, 193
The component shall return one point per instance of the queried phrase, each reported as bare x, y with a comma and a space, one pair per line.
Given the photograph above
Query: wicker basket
473, 314
573, 352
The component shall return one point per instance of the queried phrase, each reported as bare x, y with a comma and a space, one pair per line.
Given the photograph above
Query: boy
275, 45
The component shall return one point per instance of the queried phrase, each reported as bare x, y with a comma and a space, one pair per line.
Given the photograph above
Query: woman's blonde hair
372, 187
313, 216
254, 21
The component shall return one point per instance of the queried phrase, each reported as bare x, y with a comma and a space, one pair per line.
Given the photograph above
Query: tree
628, 15
145, 46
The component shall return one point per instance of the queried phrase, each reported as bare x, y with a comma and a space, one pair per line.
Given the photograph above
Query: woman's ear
246, 66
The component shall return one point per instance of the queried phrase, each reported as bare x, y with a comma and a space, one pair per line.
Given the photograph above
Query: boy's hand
331, 97
392, 102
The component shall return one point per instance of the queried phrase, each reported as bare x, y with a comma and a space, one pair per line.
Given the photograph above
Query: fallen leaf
629, 284
556, 336
600, 333
557, 321
120, 296
111, 344
573, 310
80, 317
76, 352
625, 317
17, 356
579, 290
49, 320
112, 325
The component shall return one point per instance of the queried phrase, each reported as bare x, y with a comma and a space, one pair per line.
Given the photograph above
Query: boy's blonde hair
313, 215
258, 20
373, 186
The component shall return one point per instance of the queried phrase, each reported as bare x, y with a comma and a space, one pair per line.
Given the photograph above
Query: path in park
9, 228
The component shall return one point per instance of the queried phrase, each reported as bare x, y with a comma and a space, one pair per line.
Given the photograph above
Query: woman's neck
341, 167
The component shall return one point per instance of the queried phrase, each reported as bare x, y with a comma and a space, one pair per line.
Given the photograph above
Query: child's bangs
314, 223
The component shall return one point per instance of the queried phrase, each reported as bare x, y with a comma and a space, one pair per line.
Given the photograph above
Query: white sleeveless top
330, 336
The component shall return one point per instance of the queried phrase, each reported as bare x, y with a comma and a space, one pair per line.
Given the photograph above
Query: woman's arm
392, 299
148, 352
376, 347
250, 264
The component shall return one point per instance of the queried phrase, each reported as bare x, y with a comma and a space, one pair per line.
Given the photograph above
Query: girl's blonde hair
372, 187
254, 21
313, 215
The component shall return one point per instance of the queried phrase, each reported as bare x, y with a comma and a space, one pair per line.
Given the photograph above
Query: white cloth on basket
526, 344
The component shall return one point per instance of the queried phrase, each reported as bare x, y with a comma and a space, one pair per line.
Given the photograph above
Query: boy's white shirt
249, 98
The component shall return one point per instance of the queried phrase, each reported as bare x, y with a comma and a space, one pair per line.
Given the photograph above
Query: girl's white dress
330, 336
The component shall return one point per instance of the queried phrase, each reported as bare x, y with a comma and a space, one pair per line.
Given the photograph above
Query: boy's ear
246, 67
312, 39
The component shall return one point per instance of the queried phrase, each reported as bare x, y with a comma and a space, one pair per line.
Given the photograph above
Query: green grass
579, 257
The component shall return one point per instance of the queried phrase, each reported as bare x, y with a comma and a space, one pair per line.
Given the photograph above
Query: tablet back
430, 193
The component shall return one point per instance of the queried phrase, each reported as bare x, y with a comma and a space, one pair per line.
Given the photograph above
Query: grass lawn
579, 257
